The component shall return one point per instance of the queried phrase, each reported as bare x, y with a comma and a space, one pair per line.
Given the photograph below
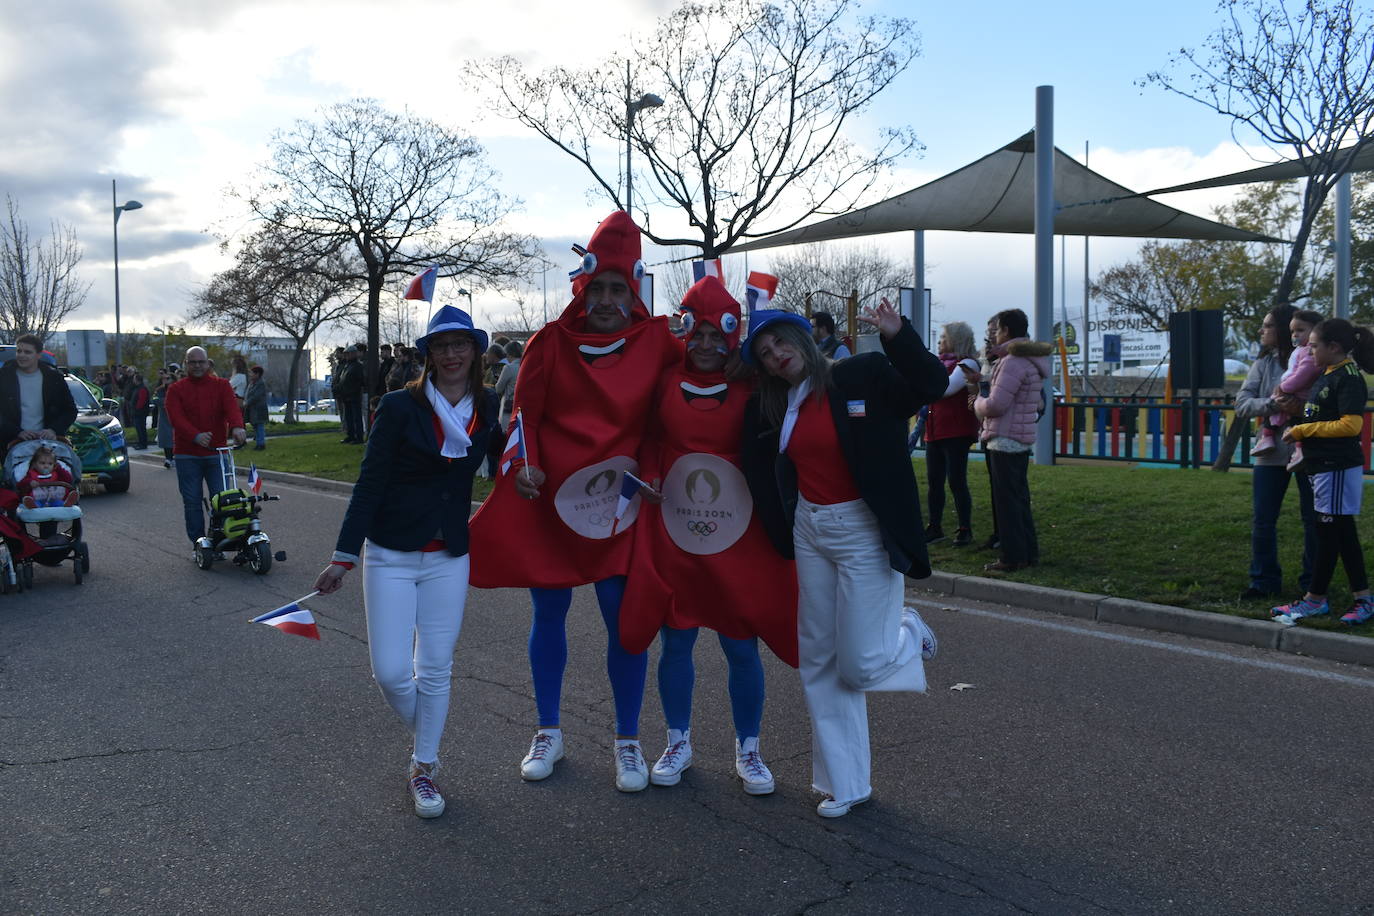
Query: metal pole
114, 209
629, 121
1342, 277
1044, 253
920, 316
1086, 339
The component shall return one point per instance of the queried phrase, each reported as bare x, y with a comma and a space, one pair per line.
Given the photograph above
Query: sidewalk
1242, 631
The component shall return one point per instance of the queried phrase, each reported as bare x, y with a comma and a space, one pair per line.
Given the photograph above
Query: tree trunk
1314, 195
292, 382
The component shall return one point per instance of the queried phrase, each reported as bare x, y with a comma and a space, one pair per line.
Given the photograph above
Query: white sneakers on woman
677, 756
423, 792
752, 771
631, 771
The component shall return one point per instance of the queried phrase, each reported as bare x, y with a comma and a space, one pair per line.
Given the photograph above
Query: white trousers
851, 635
414, 603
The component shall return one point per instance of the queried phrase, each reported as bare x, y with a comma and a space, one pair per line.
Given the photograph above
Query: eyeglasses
461, 345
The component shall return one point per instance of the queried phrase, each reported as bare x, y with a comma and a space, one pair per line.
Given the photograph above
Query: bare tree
280, 282
759, 100
1301, 81
837, 268
39, 285
401, 192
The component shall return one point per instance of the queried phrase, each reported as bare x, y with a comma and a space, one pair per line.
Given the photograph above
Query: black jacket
884, 391
407, 492
59, 410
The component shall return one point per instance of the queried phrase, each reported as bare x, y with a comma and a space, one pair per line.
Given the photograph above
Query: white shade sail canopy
997, 194
1361, 161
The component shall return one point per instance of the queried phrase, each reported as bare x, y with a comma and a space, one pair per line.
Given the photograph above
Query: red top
201, 405
823, 476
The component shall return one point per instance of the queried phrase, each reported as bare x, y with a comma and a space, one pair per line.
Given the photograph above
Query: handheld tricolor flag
759, 290
629, 486
711, 268
515, 444
422, 287
254, 480
292, 618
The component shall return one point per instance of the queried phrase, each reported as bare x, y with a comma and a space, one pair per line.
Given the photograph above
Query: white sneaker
930, 646
545, 750
829, 807
749, 765
631, 772
428, 800
676, 758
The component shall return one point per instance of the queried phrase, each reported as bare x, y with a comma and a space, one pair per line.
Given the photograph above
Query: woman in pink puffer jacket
1009, 410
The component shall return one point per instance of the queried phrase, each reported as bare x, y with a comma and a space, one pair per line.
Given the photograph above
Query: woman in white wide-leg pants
825, 455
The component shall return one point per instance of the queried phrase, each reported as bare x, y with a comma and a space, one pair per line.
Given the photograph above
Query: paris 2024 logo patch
706, 505
586, 501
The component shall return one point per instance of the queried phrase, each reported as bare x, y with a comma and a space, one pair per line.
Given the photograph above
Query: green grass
1161, 535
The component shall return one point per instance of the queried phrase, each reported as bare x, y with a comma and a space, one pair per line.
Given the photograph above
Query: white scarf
453, 419
795, 398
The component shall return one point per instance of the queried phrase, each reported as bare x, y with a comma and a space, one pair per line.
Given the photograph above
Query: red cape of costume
701, 559
584, 399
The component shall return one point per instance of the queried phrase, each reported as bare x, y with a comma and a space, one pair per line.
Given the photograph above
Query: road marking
1285, 667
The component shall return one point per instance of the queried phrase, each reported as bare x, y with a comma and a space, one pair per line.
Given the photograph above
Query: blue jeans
1269, 485
260, 434
194, 474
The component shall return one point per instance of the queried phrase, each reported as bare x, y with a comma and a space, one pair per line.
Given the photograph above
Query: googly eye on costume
728, 323
587, 267
639, 271
689, 321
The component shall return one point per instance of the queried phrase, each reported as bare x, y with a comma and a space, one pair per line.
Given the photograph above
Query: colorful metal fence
1146, 430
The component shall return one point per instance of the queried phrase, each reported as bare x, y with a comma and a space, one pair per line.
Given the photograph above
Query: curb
300, 480
1243, 631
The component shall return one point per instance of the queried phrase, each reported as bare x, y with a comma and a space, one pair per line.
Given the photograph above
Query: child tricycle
234, 523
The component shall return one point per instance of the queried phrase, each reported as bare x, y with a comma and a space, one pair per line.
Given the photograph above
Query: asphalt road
158, 754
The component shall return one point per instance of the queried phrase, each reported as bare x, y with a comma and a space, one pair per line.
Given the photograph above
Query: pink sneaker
1296, 460
1266, 443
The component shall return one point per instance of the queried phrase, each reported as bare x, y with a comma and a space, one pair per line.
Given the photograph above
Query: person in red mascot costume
697, 551
581, 400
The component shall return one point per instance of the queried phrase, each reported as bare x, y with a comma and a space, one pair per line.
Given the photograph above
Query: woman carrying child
1330, 431
1293, 387
410, 506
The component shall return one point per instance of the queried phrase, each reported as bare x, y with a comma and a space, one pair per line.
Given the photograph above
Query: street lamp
163, 332
647, 100
471, 313
118, 209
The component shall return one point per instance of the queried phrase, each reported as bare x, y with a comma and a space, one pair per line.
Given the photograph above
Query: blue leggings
677, 676
549, 655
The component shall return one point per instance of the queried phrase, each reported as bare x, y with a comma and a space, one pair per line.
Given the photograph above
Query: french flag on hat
629, 486
709, 268
291, 618
759, 290
422, 287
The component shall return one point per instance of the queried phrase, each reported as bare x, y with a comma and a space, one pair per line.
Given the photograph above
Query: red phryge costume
701, 559
584, 399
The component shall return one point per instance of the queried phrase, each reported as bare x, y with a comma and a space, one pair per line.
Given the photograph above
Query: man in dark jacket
35, 402
349, 395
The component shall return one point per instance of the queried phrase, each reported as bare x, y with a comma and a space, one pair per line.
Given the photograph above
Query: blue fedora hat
759, 321
451, 318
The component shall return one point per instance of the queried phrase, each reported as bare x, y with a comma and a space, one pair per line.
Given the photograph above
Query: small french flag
515, 444
422, 287
759, 290
629, 486
292, 618
711, 268
254, 480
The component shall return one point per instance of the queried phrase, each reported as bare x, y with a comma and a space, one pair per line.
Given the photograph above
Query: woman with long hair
824, 453
951, 429
1270, 477
1330, 430
407, 523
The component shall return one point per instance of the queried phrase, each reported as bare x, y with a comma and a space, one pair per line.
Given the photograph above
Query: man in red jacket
201, 407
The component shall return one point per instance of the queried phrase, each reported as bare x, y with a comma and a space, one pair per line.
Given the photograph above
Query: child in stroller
58, 525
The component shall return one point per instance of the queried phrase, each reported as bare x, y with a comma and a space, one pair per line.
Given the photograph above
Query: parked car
325, 405
98, 436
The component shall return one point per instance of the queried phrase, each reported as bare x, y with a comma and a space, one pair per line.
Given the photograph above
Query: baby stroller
56, 529
234, 524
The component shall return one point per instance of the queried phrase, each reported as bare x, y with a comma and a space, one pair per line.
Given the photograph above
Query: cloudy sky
178, 100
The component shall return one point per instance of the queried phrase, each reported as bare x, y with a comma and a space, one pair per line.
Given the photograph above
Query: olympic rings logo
702, 528
598, 520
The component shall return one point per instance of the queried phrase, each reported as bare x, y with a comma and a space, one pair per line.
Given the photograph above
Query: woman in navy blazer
410, 505
824, 452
